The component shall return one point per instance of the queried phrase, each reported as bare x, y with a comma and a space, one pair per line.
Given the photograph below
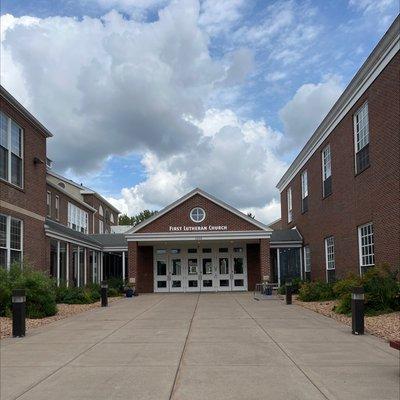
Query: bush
381, 289
74, 295
112, 292
94, 290
40, 291
116, 283
5, 293
316, 291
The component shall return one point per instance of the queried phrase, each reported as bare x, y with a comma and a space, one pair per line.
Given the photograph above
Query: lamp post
357, 310
104, 290
288, 292
18, 312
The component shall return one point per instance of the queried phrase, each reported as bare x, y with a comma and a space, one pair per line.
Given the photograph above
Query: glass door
223, 273
193, 272
161, 276
207, 270
176, 274
239, 273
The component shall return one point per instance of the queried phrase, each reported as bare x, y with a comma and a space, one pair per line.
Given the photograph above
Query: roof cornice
380, 57
22, 110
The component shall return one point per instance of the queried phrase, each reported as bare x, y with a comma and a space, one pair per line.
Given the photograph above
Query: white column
58, 263
279, 266
79, 266
67, 261
85, 266
301, 263
123, 266
101, 266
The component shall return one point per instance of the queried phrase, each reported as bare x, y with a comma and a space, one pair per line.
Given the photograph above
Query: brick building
342, 192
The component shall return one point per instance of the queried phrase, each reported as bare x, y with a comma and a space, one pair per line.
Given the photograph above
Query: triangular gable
218, 213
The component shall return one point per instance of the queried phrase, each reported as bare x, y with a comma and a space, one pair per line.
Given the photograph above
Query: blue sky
150, 98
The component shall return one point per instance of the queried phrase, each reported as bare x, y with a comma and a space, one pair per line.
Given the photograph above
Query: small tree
136, 219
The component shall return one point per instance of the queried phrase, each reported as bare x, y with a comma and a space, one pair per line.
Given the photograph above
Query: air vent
61, 184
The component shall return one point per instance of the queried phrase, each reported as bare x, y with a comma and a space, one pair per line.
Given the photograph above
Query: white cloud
275, 76
303, 113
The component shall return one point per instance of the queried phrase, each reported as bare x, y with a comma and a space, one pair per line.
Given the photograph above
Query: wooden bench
395, 344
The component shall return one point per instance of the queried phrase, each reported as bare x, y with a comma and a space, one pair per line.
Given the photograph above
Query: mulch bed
385, 326
64, 311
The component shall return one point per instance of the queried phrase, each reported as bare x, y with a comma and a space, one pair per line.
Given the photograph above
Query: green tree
124, 219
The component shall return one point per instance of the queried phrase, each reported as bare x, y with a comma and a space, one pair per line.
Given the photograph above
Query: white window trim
359, 110
57, 207
360, 246
101, 226
304, 184
290, 205
195, 209
8, 240
48, 203
326, 176
326, 253
305, 258
8, 180
79, 215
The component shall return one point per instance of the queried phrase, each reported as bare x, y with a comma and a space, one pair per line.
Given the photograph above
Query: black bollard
288, 292
18, 312
104, 294
357, 310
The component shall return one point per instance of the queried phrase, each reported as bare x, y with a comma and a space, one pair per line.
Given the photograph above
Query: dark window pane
3, 258
362, 159
192, 284
238, 265
15, 240
327, 186
161, 268
207, 283
3, 163
162, 284
238, 282
331, 275
224, 282
3, 231
304, 204
16, 170
308, 276
15, 257
53, 258
176, 284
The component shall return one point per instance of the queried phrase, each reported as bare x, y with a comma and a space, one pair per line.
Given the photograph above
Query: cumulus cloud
303, 113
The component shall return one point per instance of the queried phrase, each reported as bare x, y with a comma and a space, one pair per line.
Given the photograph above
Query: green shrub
112, 292
75, 295
116, 283
296, 283
5, 293
316, 291
40, 291
94, 291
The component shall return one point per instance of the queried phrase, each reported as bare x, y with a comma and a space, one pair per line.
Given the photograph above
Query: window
361, 138
326, 171
197, 214
10, 241
304, 191
101, 210
307, 262
10, 150
48, 202
101, 226
112, 218
57, 207
289, 205
77, 218
330, 258
366, 246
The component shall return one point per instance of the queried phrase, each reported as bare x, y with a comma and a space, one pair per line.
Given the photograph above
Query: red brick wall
265, 269
32, 197
373, 195
215, 215
64, 200
145, 278
253, 265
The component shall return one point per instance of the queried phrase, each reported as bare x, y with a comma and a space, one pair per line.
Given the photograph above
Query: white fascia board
64, 238
373, 66
113, 249
207, 196
148, 237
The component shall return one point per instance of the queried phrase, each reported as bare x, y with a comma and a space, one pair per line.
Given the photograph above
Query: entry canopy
198, 216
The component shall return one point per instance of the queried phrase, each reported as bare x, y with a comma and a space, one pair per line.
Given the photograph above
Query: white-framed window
366, 246
361, 138
57, 207
304, 191
307, 259
101, 212
11, 153
197, 214
48, 203
326, 171
112, 218
78, 219
330, 253
101, 226
10, 241
289, 205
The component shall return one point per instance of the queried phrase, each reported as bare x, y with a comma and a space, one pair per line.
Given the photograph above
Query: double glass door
205, 269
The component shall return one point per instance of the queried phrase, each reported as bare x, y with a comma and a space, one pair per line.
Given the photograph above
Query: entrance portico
198, 244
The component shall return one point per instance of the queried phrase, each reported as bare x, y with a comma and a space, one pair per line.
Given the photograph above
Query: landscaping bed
385, 326
64, 311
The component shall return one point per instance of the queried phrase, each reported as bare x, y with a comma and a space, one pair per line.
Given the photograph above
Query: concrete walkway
190, 346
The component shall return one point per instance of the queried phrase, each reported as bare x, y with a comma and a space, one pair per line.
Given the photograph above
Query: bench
395, 344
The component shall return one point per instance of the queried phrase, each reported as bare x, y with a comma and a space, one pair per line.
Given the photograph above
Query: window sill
13, 185
326, 196
304, 212
360, 172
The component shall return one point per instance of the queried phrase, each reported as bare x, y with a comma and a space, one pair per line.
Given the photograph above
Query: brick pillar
265, 262
132, 260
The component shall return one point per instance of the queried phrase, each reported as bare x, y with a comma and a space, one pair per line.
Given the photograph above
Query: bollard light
18, 312
288, 292
104, 294
357, 310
